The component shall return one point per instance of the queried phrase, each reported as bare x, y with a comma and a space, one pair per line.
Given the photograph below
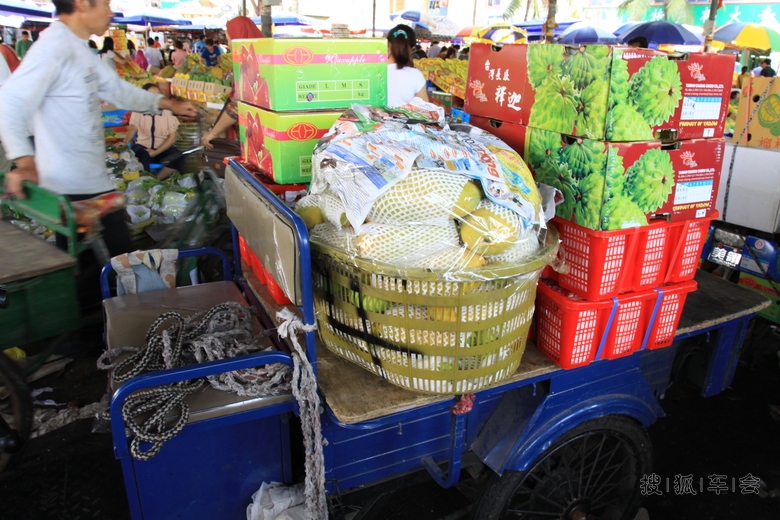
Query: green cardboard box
280, 144
310, 74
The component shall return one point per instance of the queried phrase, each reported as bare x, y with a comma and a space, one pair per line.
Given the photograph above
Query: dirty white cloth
275, 501
143, 271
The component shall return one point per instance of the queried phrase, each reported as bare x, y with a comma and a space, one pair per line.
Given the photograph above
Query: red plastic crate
275, 291
603, 264
574, 332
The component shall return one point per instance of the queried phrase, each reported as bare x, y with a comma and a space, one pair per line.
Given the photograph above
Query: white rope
224, 331
304, 388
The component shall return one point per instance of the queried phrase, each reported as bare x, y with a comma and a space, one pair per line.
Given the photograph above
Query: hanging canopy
281, 19
17, 7
422, 19
145, 18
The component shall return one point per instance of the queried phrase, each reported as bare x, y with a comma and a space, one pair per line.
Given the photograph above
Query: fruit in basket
333, 209
649, 181
337, 237
519, 251
618, 83
167, 72
621, 212
544, 61
584, 157
624, 123
369, 303
589, 199
656, 90
592, 110
451, 259
559, 176
491, 229
543, 146
586, 63
439, 196
216, 72
311, 215
555, 106
404, 245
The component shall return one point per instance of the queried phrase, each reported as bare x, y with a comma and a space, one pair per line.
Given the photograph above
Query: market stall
414, 292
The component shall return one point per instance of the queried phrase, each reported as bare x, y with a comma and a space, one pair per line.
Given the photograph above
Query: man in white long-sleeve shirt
57, 91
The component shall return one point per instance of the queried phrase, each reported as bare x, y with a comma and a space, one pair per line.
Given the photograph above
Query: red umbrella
469, 32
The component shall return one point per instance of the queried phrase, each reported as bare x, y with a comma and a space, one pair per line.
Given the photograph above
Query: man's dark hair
202, 37
156, 38
147, 86
641, 41
25, 33
209, 41
767, 61
149, 42
93, 45
67, 6
179, 44
744, 70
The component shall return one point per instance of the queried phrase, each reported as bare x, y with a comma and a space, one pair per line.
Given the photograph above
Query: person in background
8, 64
457, 50
108, 56
239, 28
200, 44
23, 45
185, 42
56, 91
743, 76
140, 57
404, 82
766, 69
434, 49
464, 54
156, 135
638, 42
156, 44
442, 52
153, 57
419, 53
131, 51
179, 54
210, 54
450, 54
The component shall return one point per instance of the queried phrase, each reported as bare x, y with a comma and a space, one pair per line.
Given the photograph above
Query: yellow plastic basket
422, 332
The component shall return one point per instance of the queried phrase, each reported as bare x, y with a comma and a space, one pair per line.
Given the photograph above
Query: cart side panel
603, 388
200, 473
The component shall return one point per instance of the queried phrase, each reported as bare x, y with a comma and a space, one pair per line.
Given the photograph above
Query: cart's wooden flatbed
355, 395
25, 256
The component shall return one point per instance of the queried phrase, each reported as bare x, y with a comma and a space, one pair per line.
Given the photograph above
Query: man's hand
186, 110
25, 171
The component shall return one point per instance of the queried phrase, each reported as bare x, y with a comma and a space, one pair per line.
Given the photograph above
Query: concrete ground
70, 474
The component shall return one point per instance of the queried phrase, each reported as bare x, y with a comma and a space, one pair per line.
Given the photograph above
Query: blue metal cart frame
508, 428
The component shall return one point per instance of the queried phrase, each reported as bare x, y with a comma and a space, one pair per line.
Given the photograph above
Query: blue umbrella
21, 8
288, 19
417, 17
625, 27
660, 33
148, 19
582, 32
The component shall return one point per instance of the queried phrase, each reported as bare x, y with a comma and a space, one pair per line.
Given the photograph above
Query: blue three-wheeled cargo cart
546, 442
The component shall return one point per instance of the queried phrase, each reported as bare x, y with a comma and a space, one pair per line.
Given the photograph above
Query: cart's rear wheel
592, 472
15, 403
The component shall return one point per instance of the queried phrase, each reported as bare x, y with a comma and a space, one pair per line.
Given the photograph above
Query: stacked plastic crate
290, 92
632, 139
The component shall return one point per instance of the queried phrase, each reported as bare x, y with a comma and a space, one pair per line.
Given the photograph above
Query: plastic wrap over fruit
401, 188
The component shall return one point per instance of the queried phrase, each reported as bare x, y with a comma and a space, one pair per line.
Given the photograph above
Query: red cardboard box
600, 91
618, 185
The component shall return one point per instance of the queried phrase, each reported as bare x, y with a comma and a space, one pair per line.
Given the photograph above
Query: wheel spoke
618, 447
528, 512
598, 455
567, 468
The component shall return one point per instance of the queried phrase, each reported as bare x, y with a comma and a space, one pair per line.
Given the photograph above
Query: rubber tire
499, 490
21, 402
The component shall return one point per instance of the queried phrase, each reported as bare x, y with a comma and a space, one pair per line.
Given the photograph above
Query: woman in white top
404, 82
108, 56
